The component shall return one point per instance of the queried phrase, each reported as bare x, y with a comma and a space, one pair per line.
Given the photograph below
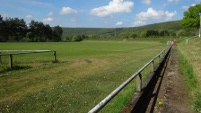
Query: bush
77, 38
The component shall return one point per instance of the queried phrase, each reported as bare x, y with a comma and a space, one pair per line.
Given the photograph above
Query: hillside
98, 31
171, 25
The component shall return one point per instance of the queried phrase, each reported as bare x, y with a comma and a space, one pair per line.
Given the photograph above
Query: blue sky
96, 13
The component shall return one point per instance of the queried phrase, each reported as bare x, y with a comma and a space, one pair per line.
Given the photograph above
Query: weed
160, 103
197, 102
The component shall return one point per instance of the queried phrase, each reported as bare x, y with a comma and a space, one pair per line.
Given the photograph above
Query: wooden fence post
0, 59
153, 65
11, 61
139, 82
55, 56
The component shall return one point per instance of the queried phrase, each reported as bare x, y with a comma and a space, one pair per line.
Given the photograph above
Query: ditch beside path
166, 93
173, 96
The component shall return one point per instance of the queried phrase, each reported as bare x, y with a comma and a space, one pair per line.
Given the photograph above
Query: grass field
190, 65
86, 73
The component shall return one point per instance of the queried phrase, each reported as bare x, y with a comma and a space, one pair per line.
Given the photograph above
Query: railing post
152, 65
55, 56
164, 53
139, 82
159, 58
0, 59
11, 61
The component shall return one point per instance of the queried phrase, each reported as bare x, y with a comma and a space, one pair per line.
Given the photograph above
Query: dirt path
173, 97
166, 92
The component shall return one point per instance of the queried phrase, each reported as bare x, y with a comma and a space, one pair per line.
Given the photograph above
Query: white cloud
115, 6
168, 15
49, 19
50, 14
147, 2
29, 16
153, 14
193, 4
138, 23
197, 0
119, 23
173, 1
36, 3
185, 7
67, 10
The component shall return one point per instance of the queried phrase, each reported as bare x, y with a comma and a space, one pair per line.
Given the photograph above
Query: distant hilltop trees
15, 29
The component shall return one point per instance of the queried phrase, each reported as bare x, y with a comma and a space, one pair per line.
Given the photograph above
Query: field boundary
10, 53
161, 56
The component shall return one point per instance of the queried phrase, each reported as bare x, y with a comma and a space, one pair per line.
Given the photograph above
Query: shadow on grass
56, 61
7, 69
20, 67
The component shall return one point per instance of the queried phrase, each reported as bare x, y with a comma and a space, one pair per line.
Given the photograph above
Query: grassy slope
172, 25
86, 73
190, 63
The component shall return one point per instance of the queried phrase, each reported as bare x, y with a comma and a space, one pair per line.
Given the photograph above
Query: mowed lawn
85, 74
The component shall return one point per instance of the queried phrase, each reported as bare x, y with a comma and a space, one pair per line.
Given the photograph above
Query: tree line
15, 29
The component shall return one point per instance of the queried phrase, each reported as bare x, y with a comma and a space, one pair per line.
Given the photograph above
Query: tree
181, 33
143, 34
152, 33
39, 32
123, 35
16, 28
133, 35
48, 32
191, 17
57, 33
33, 30
164, 33
3, 33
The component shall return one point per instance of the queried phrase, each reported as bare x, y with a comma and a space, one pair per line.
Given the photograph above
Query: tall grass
189, 70
191, 82
188, 73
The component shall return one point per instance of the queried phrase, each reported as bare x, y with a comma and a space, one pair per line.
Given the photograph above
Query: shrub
77, 38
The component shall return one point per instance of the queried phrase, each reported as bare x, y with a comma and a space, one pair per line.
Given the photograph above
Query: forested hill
173, 26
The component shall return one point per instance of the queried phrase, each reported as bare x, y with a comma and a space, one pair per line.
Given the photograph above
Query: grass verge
191, 82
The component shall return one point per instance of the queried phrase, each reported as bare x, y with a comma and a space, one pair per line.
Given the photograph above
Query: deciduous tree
191, 17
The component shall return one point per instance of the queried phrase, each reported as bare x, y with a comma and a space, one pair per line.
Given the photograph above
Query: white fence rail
138, 74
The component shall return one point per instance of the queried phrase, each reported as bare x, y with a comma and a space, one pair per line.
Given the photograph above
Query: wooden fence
11, 53
137, 75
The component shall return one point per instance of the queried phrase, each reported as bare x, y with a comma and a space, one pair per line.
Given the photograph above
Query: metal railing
10, 53
138, 74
